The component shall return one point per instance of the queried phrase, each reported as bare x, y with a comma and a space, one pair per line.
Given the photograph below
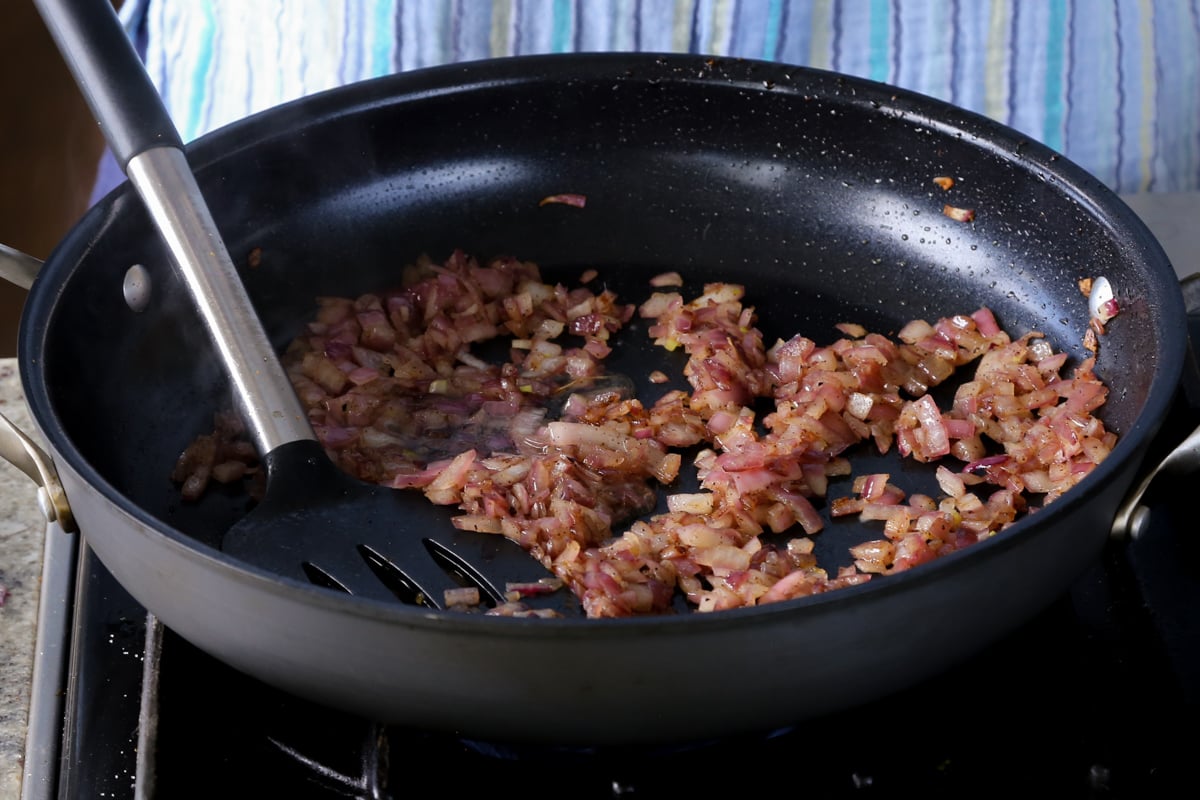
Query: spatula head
319, 525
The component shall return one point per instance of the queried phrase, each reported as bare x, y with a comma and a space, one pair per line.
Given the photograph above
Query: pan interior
815, 191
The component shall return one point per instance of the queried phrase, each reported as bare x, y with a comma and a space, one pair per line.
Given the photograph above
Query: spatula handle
123, 98
270, 408
142, 136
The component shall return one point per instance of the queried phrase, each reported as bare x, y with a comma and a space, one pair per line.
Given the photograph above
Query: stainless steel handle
270, 407
1133, 513
143, 138
17, 267
23, 453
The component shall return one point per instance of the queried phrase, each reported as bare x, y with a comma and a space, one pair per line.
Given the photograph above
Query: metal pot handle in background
15, 447
17, 267
1134, 512
23, 453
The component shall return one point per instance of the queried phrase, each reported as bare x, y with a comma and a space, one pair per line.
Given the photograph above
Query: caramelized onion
398, 397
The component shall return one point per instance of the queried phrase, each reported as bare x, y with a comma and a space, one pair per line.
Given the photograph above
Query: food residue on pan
566, 199
958, 214
1102, 300
944, 182
397, 397
1102, 307
665, 279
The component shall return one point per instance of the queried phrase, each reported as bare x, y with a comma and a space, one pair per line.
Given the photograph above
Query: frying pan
812, 189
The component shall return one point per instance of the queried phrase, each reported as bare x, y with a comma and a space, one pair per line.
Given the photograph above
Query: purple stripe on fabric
398, 34
781, 41
517, 28
1196, 29
637, 25
694, 35
1010, 102
1120, 126
897, 38
140, 34
1155, 142
836, 39
108, 177
955, 21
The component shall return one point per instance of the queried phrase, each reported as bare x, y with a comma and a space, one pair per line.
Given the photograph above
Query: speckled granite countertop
22, 531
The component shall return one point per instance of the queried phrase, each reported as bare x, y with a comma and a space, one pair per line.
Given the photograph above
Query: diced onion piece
396, 394
1102, 302
566, 198
699, 503
461, 596
666, 279
477, 523
531, 588
852, 329
958, 214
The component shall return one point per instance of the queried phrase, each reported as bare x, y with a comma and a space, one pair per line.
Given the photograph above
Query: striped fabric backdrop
1112, 84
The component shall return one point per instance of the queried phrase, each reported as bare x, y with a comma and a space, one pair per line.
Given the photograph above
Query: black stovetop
1096, 697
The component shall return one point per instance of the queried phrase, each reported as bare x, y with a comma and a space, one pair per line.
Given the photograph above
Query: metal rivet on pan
137, 287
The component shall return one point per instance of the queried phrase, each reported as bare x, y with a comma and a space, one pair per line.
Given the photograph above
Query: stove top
1093, 698
1096, 697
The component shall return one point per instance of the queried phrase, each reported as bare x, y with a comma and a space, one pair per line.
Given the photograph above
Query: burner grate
1073, 705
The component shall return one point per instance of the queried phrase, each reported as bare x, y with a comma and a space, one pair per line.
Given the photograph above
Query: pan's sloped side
814, 190
602, 682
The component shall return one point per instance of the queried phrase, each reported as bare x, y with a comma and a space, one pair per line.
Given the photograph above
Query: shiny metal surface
17, 267
269, 404
23, 453
1132, 517
55, 607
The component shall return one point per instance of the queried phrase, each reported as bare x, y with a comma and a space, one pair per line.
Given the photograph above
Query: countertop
22, 530
1174, 219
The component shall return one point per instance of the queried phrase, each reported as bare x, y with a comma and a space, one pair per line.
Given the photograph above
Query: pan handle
124, 100
23, 453
1133, 513
144, 141
18, 268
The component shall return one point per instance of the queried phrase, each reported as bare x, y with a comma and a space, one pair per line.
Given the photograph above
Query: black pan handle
122, 97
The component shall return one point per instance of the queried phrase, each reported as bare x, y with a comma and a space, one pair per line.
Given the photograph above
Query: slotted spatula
315, 523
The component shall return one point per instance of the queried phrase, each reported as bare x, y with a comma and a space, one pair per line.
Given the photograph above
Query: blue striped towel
1111, 84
